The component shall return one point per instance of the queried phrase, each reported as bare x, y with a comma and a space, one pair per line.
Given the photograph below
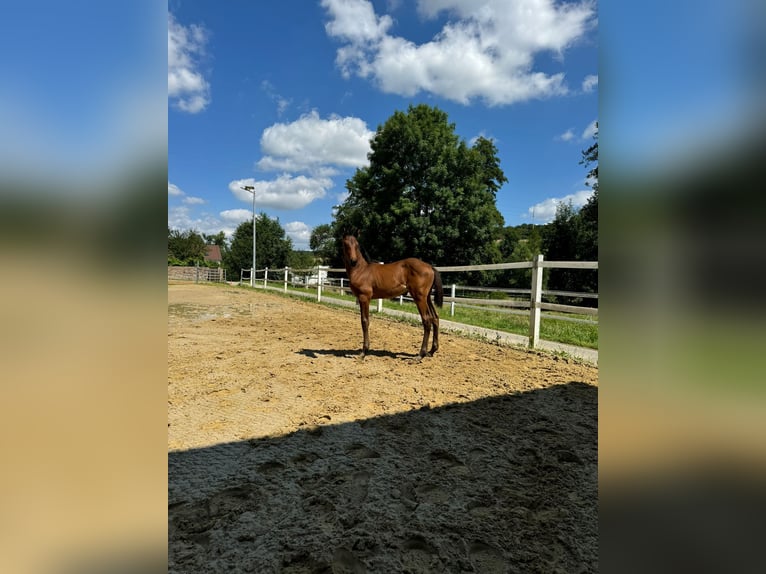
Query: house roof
213, 253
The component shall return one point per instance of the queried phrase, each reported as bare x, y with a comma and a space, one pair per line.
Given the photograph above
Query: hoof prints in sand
424, 491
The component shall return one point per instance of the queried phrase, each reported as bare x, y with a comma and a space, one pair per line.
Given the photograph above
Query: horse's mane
366, 255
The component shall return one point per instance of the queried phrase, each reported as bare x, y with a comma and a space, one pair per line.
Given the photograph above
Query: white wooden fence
527, 301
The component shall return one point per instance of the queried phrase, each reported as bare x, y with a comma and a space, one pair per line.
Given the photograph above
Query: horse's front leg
364, 309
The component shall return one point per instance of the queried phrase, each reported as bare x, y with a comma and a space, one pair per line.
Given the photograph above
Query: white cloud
589, 83
545, 211
486, 50
342, 196
174, 190
310, 143
589, 131
285, 192
236, 215
319, 147
586, 136
300, 233
355, 20
482, 134
180, 217
188, 90
282, 102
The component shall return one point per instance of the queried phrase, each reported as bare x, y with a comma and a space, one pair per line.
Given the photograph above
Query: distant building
213, 254
316, 276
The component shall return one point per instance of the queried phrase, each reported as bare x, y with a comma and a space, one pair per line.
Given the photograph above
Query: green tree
272, 247
218, 239
301, 260
566, 239
590, 157
519, 243
185, 247
588, 248
560, 244
323, 244
426, 193
573, 235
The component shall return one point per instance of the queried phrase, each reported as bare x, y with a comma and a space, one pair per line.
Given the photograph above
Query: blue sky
285, 95
86, 93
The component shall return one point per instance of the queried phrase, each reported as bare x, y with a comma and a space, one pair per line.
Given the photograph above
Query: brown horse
384, 281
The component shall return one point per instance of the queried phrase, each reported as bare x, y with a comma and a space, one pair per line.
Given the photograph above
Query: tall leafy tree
589, 212
272, 247
560, 243
185, 247
218, 239
573, 235
590, 157
519, 243
426, 193
322, 243
301, 260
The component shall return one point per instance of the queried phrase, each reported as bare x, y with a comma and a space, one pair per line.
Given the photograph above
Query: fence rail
197, 274
571, 264
526, 301
487, 267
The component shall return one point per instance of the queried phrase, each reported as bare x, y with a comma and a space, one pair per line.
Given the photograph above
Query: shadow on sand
356, 353
500, 484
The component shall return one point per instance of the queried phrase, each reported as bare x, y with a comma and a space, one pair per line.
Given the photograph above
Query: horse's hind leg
435, 323
426, 319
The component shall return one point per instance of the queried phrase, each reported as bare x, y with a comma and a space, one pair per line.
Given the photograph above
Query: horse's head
351, 254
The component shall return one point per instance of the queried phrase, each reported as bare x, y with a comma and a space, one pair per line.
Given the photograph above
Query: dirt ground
289, 454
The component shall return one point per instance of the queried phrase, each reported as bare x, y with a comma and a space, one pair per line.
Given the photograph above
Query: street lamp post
251, 189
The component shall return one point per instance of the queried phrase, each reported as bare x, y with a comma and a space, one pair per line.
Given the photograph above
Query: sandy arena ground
288, 454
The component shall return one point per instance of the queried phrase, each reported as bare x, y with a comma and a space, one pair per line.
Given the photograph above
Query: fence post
265, 276
380, 301
534, 301
319, 287
252, 277
286, 268
452, 304
342, 291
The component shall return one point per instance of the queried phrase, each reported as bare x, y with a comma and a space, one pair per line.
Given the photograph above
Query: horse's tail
439, 290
